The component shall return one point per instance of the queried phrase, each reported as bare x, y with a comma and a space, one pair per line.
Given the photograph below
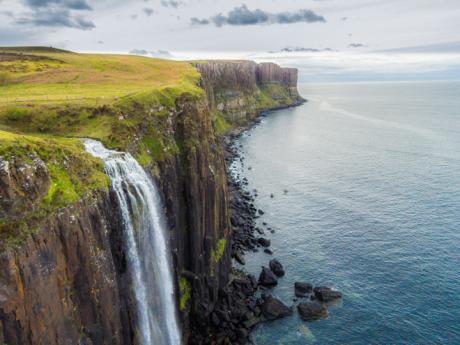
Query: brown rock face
269, 72
21, 184
195, 191
62, 286
239, 89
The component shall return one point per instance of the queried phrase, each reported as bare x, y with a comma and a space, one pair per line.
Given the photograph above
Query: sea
362, 187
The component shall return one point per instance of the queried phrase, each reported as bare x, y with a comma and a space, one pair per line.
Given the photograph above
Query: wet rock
260, 212
273, 309
303, 289
264, 242
277, 267
239, 258
326, 294
268, 251
312, 311
267, 278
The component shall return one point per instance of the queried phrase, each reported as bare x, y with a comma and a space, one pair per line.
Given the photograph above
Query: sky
325, 39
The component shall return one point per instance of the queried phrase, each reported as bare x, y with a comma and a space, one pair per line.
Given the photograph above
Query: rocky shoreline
247, 301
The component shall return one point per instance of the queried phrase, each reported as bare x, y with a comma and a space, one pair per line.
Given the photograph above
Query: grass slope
50, 98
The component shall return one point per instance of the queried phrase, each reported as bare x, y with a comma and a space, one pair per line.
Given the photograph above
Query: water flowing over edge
146, 245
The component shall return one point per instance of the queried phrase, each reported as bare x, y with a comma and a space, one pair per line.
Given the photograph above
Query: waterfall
146, 245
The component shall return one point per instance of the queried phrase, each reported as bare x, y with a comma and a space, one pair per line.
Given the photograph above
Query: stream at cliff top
146, 245
372, 173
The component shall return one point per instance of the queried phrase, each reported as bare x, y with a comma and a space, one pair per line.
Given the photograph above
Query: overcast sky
329, 34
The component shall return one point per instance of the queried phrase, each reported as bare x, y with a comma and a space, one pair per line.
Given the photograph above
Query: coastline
246, 301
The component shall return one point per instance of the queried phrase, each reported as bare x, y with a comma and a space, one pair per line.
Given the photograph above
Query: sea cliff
63, 276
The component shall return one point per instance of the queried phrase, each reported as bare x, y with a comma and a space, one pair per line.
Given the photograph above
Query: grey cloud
69, 4
56, 18
357, 45
244, 16
56, 13
171, 3
303, 50
134, 16
197, 21
148, 11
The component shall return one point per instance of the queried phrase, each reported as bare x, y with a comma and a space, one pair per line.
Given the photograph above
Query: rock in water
312, 311
302, 289
264, 242
267, 278
276, 267
273, 309
326, 294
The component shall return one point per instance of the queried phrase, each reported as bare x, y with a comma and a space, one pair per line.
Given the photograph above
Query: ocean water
372, 173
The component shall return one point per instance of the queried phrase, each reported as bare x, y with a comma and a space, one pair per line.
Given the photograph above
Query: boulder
312, 311
267, 278
273, 309
326, 294
264, 242
277, 267
303, 289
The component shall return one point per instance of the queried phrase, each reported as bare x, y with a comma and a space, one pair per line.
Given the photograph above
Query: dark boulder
268, 251
312, 311
303, 289
267, 278
326, 294
273, 309
264, 242
277, 267
239, 258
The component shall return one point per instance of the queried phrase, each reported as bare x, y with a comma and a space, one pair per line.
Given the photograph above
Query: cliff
63, 276
238, 90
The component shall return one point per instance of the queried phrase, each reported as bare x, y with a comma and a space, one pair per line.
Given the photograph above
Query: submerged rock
277, 267
273, 309
267, 278
326, 294
264, 242
312, 311
303, 289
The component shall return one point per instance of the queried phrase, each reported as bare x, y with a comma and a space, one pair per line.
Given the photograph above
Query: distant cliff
239, 90
63, 276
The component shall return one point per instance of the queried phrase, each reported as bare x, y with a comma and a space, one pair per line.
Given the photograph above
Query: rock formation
65, 281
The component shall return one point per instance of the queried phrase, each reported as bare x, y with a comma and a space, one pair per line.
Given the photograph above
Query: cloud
171, 3
244, 16
56, 13
357, 45
56, 18
197, 21
148, 11
69, 4
302, 50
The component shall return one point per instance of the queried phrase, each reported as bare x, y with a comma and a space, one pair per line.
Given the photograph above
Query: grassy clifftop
50, 98
50, 76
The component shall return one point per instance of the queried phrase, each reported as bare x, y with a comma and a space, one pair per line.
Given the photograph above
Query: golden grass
40, 76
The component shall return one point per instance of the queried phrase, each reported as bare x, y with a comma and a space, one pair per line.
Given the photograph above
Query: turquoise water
372, 172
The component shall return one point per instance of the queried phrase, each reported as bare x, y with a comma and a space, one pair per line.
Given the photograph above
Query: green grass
44, 76
73, 174
220, 124
185, 293
217, 254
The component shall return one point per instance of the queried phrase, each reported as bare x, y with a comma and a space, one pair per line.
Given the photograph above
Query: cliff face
239, 90
66, 281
